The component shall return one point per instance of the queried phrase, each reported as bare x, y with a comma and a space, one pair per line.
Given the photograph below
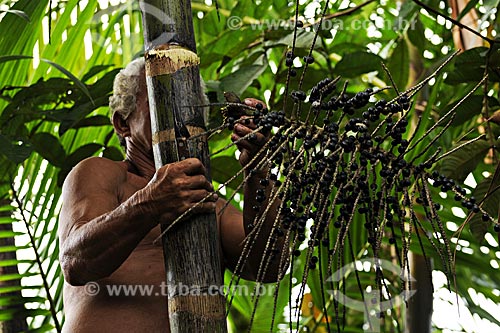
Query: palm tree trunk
191, 250
18, 321
420, 305
463, 39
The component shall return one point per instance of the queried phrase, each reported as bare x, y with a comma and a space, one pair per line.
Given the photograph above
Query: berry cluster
348, 162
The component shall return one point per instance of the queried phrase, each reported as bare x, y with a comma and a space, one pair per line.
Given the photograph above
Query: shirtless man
111, 215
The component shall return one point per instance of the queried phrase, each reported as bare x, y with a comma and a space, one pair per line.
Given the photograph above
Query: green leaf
408, 9
17, 153
12, 248
63, 70
417, 36
460, 163
399, 65
94, 71
240, 80
93, 121
73, 116
43, 329
358, 63
469, 66
13, 262
471, 4
73, 78
15, 276
16, 300
7, 314
113, 153
81, 153
9, 233
470, 108
491, 204
303, 40
214, 27
49, 147
19, 13
222, 168
7, 219
74, 158
482, 313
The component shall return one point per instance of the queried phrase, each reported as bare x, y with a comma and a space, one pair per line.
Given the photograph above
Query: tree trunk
421, 304
191, 249
18, 322
463, 39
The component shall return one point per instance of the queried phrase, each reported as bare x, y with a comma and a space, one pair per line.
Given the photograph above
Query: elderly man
112, 211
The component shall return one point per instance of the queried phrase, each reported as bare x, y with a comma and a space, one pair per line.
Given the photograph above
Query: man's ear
121, 125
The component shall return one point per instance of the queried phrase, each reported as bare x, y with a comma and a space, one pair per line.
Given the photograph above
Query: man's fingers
247, 122
200, 182
205, 207
192, 166
242, 130
245, 145
246, 126
257, 139
253, 102
198, 195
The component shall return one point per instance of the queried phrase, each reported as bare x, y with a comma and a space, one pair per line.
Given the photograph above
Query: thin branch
37, 258
459, 147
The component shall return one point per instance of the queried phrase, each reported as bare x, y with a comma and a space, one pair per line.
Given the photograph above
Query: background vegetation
57, 63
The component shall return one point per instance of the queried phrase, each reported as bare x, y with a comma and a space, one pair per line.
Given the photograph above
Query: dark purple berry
308, 59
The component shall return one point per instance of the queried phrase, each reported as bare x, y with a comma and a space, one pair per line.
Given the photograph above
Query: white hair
126, 87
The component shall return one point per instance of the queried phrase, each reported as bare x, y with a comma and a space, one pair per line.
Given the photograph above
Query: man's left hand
252, 145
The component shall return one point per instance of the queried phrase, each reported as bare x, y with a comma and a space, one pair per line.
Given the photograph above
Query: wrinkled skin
110, 218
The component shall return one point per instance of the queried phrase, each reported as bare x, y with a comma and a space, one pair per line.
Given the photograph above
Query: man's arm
97, 233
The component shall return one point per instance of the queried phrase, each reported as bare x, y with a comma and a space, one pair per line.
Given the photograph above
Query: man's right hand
175, 188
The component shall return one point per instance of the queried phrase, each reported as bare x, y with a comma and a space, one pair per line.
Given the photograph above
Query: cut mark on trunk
168, 59
197, 304
169, 134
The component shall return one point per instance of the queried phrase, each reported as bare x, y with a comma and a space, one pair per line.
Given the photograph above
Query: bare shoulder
95, 173
92, 183
98, 166
92, 188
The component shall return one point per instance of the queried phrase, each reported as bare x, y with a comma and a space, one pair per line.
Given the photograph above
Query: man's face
139, 121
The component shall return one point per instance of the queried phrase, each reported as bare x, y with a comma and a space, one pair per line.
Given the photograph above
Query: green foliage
355, 64
487, 191
53, 114
461, 163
